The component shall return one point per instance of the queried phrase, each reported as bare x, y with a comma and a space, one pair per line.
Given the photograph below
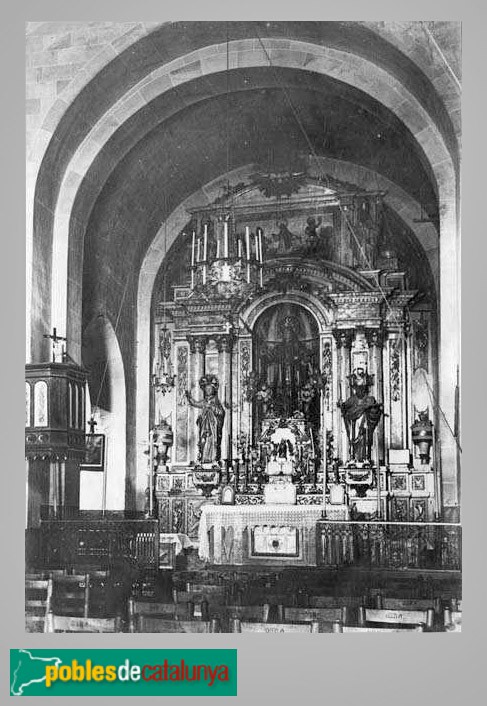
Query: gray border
278, 669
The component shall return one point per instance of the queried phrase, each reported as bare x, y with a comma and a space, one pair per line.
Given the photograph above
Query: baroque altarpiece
294, 357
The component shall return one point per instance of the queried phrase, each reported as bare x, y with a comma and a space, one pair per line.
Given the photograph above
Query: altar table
250, 534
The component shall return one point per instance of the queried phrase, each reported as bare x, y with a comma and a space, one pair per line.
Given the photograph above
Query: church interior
243, 329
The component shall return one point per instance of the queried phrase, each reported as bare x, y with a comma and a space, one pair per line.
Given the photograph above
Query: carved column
375, 341
197, 347
395, 423
224, 343
344, 338
244, 402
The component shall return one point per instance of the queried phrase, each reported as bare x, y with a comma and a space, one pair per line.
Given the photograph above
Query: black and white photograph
243, 378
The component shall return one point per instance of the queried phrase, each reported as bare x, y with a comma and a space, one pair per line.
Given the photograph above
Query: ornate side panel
327, 372
193, 514
422, 353
178, 516
327, 401
181, 431
395, 372
244, 370
164, 515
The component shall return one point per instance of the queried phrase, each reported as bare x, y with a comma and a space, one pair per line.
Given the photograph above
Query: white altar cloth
231, 525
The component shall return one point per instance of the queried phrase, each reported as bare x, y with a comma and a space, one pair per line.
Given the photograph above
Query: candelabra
226, 254
162, 377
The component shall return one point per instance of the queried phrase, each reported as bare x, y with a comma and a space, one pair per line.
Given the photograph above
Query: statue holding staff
210, 420
361, 413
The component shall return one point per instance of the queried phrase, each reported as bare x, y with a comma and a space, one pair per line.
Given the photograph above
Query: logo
123, 672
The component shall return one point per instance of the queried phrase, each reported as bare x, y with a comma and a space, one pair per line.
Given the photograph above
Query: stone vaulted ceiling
196, 131
265, 119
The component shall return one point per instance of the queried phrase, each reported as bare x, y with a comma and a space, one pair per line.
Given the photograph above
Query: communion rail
390, 545
104, 543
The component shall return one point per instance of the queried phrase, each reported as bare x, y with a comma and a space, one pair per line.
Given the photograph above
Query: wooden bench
210, 589
339, 627
203, 603
380, 620
161, 610
384, 602
38, 597
248, 613
158, 624
243, 626
69, 623
333, 601
325, 617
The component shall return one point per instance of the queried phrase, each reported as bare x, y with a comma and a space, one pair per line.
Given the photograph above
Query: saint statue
209, 421
361, 413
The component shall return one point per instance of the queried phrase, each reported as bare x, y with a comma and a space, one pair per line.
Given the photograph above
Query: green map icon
29, 670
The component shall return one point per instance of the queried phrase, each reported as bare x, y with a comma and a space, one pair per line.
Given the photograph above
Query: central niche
286, 355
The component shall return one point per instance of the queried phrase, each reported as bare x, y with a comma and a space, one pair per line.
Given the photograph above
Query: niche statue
361, 413
209, 421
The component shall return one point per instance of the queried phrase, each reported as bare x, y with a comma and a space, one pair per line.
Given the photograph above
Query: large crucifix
56, 356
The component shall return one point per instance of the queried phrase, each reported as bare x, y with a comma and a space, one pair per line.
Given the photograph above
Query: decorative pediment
294, 191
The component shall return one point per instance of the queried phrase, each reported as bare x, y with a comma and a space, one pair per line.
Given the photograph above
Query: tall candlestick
225, 239
205, 247
192, 249
198, 252
239, 248
192, 279
204, 274
247, 241
217, 248
260, 244
260, 276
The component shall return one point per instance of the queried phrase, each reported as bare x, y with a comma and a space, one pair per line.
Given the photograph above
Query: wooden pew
258, 613
334, 601
397, 618
172, 611
379, 620
210, 589
38, 597
158, 624
325, 617
243, 626
339, 627
70, 623
203, 603
248, 613
384, 602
